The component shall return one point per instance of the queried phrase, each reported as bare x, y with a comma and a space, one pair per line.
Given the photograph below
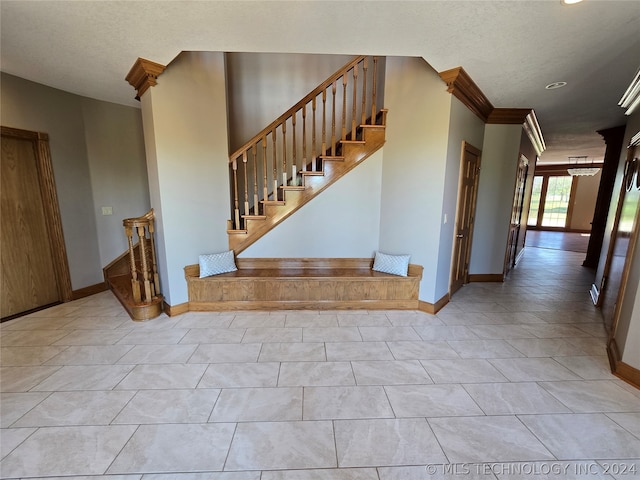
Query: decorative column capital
461, 86
144, 74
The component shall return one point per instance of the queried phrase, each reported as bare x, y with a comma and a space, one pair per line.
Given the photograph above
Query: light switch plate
107, 210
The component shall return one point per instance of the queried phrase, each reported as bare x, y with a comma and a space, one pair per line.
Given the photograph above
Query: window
551, 197
556, 201
535, 201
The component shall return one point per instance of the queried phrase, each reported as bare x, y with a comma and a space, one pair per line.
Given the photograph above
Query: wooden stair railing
133, 276
333, 123
147, 265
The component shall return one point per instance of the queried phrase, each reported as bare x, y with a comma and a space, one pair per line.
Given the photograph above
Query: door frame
512, 255
466, 147
53, 220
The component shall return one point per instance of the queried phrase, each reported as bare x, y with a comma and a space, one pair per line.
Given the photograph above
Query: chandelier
579, 167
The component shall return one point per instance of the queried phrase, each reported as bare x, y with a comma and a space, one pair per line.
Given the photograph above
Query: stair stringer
353, 153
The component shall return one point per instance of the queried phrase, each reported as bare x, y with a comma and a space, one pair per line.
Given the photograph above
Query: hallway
509, 380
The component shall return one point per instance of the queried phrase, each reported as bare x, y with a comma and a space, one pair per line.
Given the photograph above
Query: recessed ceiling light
570, 2
555, 85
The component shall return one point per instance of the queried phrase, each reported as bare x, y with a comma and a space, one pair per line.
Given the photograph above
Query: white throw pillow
393, 264
216, 263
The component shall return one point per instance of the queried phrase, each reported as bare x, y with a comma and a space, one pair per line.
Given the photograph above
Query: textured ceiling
511, 49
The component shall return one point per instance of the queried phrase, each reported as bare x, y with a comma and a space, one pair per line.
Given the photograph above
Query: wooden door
515, 227
32, 275
465, 215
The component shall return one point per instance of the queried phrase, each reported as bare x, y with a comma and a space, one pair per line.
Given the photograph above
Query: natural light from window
556, 201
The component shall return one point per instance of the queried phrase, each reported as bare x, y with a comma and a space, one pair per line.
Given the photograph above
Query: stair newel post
135, 285
324, 122
304, 137
373, 91
254, 150
236, 209
265, 188
313, 135
363, 118
246, 183
275, 164
145, 267
294, 166
344, 106
333, 120
354, 107
284, 153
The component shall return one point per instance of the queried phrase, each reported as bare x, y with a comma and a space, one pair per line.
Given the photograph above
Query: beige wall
465, 126
262, 86
344, 221
495, 198
414, 166
585, 202
98, 159
185, 127
118, 172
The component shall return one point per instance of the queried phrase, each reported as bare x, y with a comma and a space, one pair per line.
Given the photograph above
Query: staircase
305, 150
133, 276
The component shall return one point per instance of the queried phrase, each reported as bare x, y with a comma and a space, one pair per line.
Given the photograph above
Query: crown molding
631, 98
143, 74
508, 116
460, 84
533, 131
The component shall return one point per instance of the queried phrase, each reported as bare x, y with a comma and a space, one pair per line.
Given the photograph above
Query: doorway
465, 215
35, 271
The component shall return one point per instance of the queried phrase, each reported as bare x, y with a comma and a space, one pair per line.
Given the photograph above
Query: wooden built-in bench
303, 283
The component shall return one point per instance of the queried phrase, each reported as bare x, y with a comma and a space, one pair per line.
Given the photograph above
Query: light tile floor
508, 381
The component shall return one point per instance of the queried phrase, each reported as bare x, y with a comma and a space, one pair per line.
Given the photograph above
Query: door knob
459, 235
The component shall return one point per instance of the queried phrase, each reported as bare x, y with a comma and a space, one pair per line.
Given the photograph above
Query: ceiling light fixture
554, 85
581, 167
570, 2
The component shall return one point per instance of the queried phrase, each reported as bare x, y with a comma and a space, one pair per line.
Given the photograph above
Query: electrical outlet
107, 210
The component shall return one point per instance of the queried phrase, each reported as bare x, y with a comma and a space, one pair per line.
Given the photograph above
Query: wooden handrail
147, 258
285, 116
262, 168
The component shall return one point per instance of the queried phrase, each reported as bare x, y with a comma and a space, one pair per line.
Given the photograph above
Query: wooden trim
561, 168
173, 310
433, 308
90, 290
486, 277
224, 306
304, 264
633, 237
508, 116
622, 370
51, 207
144, 74
460, 84
303, 283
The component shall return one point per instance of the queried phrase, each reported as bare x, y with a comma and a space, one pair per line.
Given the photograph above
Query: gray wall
86, 167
